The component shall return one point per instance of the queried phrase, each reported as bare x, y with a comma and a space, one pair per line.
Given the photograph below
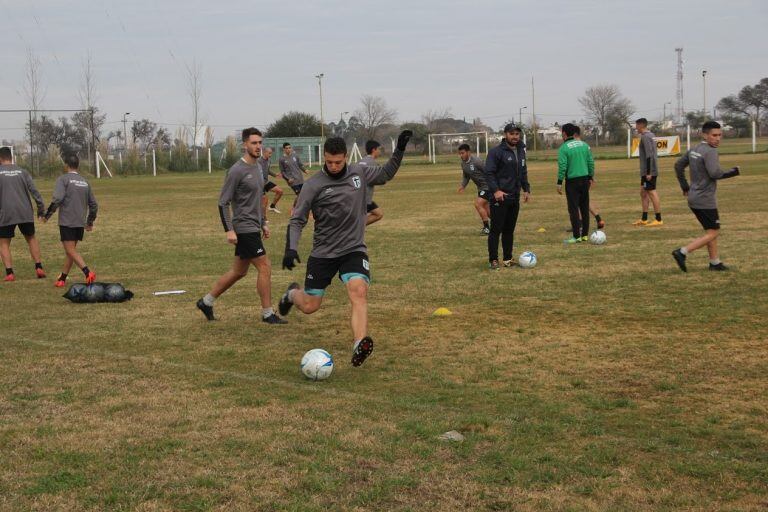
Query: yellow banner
665, 146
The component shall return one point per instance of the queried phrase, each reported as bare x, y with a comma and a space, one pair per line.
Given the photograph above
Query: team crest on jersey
356, 181
471, 167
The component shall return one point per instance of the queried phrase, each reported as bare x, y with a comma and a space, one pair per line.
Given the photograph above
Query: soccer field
603, 379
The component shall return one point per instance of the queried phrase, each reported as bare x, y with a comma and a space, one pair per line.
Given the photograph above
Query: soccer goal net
443, 144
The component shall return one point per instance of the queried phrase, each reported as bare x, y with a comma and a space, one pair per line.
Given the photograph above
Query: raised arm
378, 175
712, 165
680, 166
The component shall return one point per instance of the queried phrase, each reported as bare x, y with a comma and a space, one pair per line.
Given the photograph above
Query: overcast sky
259, 58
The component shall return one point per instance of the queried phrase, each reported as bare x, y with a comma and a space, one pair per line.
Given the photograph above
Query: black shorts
297, 188
68, 234
484, 194
249, 246
371, 206
708, 218
269, 186
648, 185
26, 228
320, 271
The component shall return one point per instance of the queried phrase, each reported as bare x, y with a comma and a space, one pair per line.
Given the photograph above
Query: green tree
295, 124
750, 102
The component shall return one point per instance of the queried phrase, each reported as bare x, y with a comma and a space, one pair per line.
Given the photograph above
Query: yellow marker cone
442, 312
541, 230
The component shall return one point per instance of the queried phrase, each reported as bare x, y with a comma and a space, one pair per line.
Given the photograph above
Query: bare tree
91, 121
604, 105
33, 87
373, 113
431, 118
87, 91
194, 89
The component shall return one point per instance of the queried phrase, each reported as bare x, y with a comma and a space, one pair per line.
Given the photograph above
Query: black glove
731, 173
403, 138
736, 171
290, 259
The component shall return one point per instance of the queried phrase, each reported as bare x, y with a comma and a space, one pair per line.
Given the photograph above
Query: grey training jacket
16, 186
291, 167
648, 151
338, 206
705, 171
473, 169
243, 188
73, 197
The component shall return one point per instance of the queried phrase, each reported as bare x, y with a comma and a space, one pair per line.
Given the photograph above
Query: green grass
603, 379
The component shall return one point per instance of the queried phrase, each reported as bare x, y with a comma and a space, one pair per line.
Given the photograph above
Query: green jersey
574, 160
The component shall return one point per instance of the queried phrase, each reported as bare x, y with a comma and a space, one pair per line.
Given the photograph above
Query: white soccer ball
317, 364
527, 260
597, 237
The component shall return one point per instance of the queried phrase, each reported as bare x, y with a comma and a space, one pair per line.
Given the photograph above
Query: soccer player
16, 186
649, 172
292, 168
702, 193
506, 174
244, 226
336, 196
269, 185
594, 209
472, 168
576, 166
374, 213
73, 197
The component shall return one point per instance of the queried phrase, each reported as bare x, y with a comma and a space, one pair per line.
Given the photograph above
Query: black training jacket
506, 169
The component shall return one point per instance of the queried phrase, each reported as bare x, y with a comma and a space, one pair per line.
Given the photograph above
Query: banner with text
665, 146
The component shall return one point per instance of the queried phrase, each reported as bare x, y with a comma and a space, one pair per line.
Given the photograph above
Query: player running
244, 226
73, 197
649, 173
336, 197
702, 193
576, 166
292, 168
16, 186
266, 154
472, 168
506, 174
374, 213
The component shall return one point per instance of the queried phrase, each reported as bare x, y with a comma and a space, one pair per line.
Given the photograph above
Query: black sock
62, 277
598, 218
658, 217
86, 271
8, 271
486, 224
38, 265
645, 215
272, 205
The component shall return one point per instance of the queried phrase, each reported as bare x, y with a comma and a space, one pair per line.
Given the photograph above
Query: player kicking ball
73, 197
472, 168
702, 193
336, 196
16, 186
244, 226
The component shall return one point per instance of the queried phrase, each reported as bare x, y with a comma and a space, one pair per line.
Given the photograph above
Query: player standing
73, 197
16, 186
472, 168
506, 174
576, 166
374, 213
244, 226
269, 185
336, 196
702, 193
649, 173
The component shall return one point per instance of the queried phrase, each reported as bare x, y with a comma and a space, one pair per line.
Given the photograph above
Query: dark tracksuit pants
503, 222
577, 194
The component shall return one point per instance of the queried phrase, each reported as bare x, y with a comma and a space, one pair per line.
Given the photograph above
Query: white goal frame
432, 151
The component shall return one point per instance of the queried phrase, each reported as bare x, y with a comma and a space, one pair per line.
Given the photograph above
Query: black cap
512, 127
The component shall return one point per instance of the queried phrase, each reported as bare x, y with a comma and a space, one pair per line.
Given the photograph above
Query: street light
320, 85
125, 130
520, 115
704, 82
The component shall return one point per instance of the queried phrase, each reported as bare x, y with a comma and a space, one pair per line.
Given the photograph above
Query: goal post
445, 143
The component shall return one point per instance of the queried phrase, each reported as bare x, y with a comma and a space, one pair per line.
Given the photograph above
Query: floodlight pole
320, 85
520, 115
704, 82
125, 131
533, 112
